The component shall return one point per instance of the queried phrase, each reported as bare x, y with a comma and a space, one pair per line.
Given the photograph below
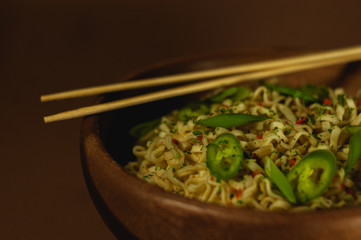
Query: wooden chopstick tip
46, 120
44, 98
50, 119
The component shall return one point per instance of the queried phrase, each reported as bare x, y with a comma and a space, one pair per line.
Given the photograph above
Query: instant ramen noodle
274, 148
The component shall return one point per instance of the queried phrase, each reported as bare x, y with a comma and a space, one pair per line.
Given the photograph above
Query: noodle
173, 156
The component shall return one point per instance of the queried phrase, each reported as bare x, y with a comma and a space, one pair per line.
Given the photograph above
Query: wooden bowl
133, 208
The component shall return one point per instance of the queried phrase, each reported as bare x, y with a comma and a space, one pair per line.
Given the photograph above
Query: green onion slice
224, 94
355, 151
234, 93
241, 94
142, 129
279, 179
296, 93
230, 120
192, 110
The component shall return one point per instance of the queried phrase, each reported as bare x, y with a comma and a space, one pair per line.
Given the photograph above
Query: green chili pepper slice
312, 176
142, 129
224, 156
192, 110
279, 179
230, 120
355, 151
353, 129
296, 93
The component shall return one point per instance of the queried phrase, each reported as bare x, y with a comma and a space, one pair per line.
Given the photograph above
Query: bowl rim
91, 143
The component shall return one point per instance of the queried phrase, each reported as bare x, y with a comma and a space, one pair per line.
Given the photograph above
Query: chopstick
193, 76
195, 87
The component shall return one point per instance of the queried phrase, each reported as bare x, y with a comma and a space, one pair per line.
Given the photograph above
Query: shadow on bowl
135, 209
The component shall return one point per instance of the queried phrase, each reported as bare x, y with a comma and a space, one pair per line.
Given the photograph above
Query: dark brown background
49, 46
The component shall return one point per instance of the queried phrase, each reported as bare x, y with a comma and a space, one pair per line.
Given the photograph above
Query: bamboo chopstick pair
246, 72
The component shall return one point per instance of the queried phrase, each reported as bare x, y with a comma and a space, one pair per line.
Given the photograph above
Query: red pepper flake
259, 136
342, 186
239, 191
334, 179
292, 162
224, 105
327, 102
259, 104
212, 178
326, 112
175, 141
211, 114
302, 120
254, 173
200, 137
286, 122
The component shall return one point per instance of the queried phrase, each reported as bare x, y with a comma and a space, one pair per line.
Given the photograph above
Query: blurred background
50, 46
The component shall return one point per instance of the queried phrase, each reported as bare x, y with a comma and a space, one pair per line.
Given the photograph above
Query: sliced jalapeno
230, 120
353, 129
279, 179
192, 110
224, 156
354, 152
142, 129
313, 174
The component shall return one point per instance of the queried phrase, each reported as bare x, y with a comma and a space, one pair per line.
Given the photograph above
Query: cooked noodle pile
173, 155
